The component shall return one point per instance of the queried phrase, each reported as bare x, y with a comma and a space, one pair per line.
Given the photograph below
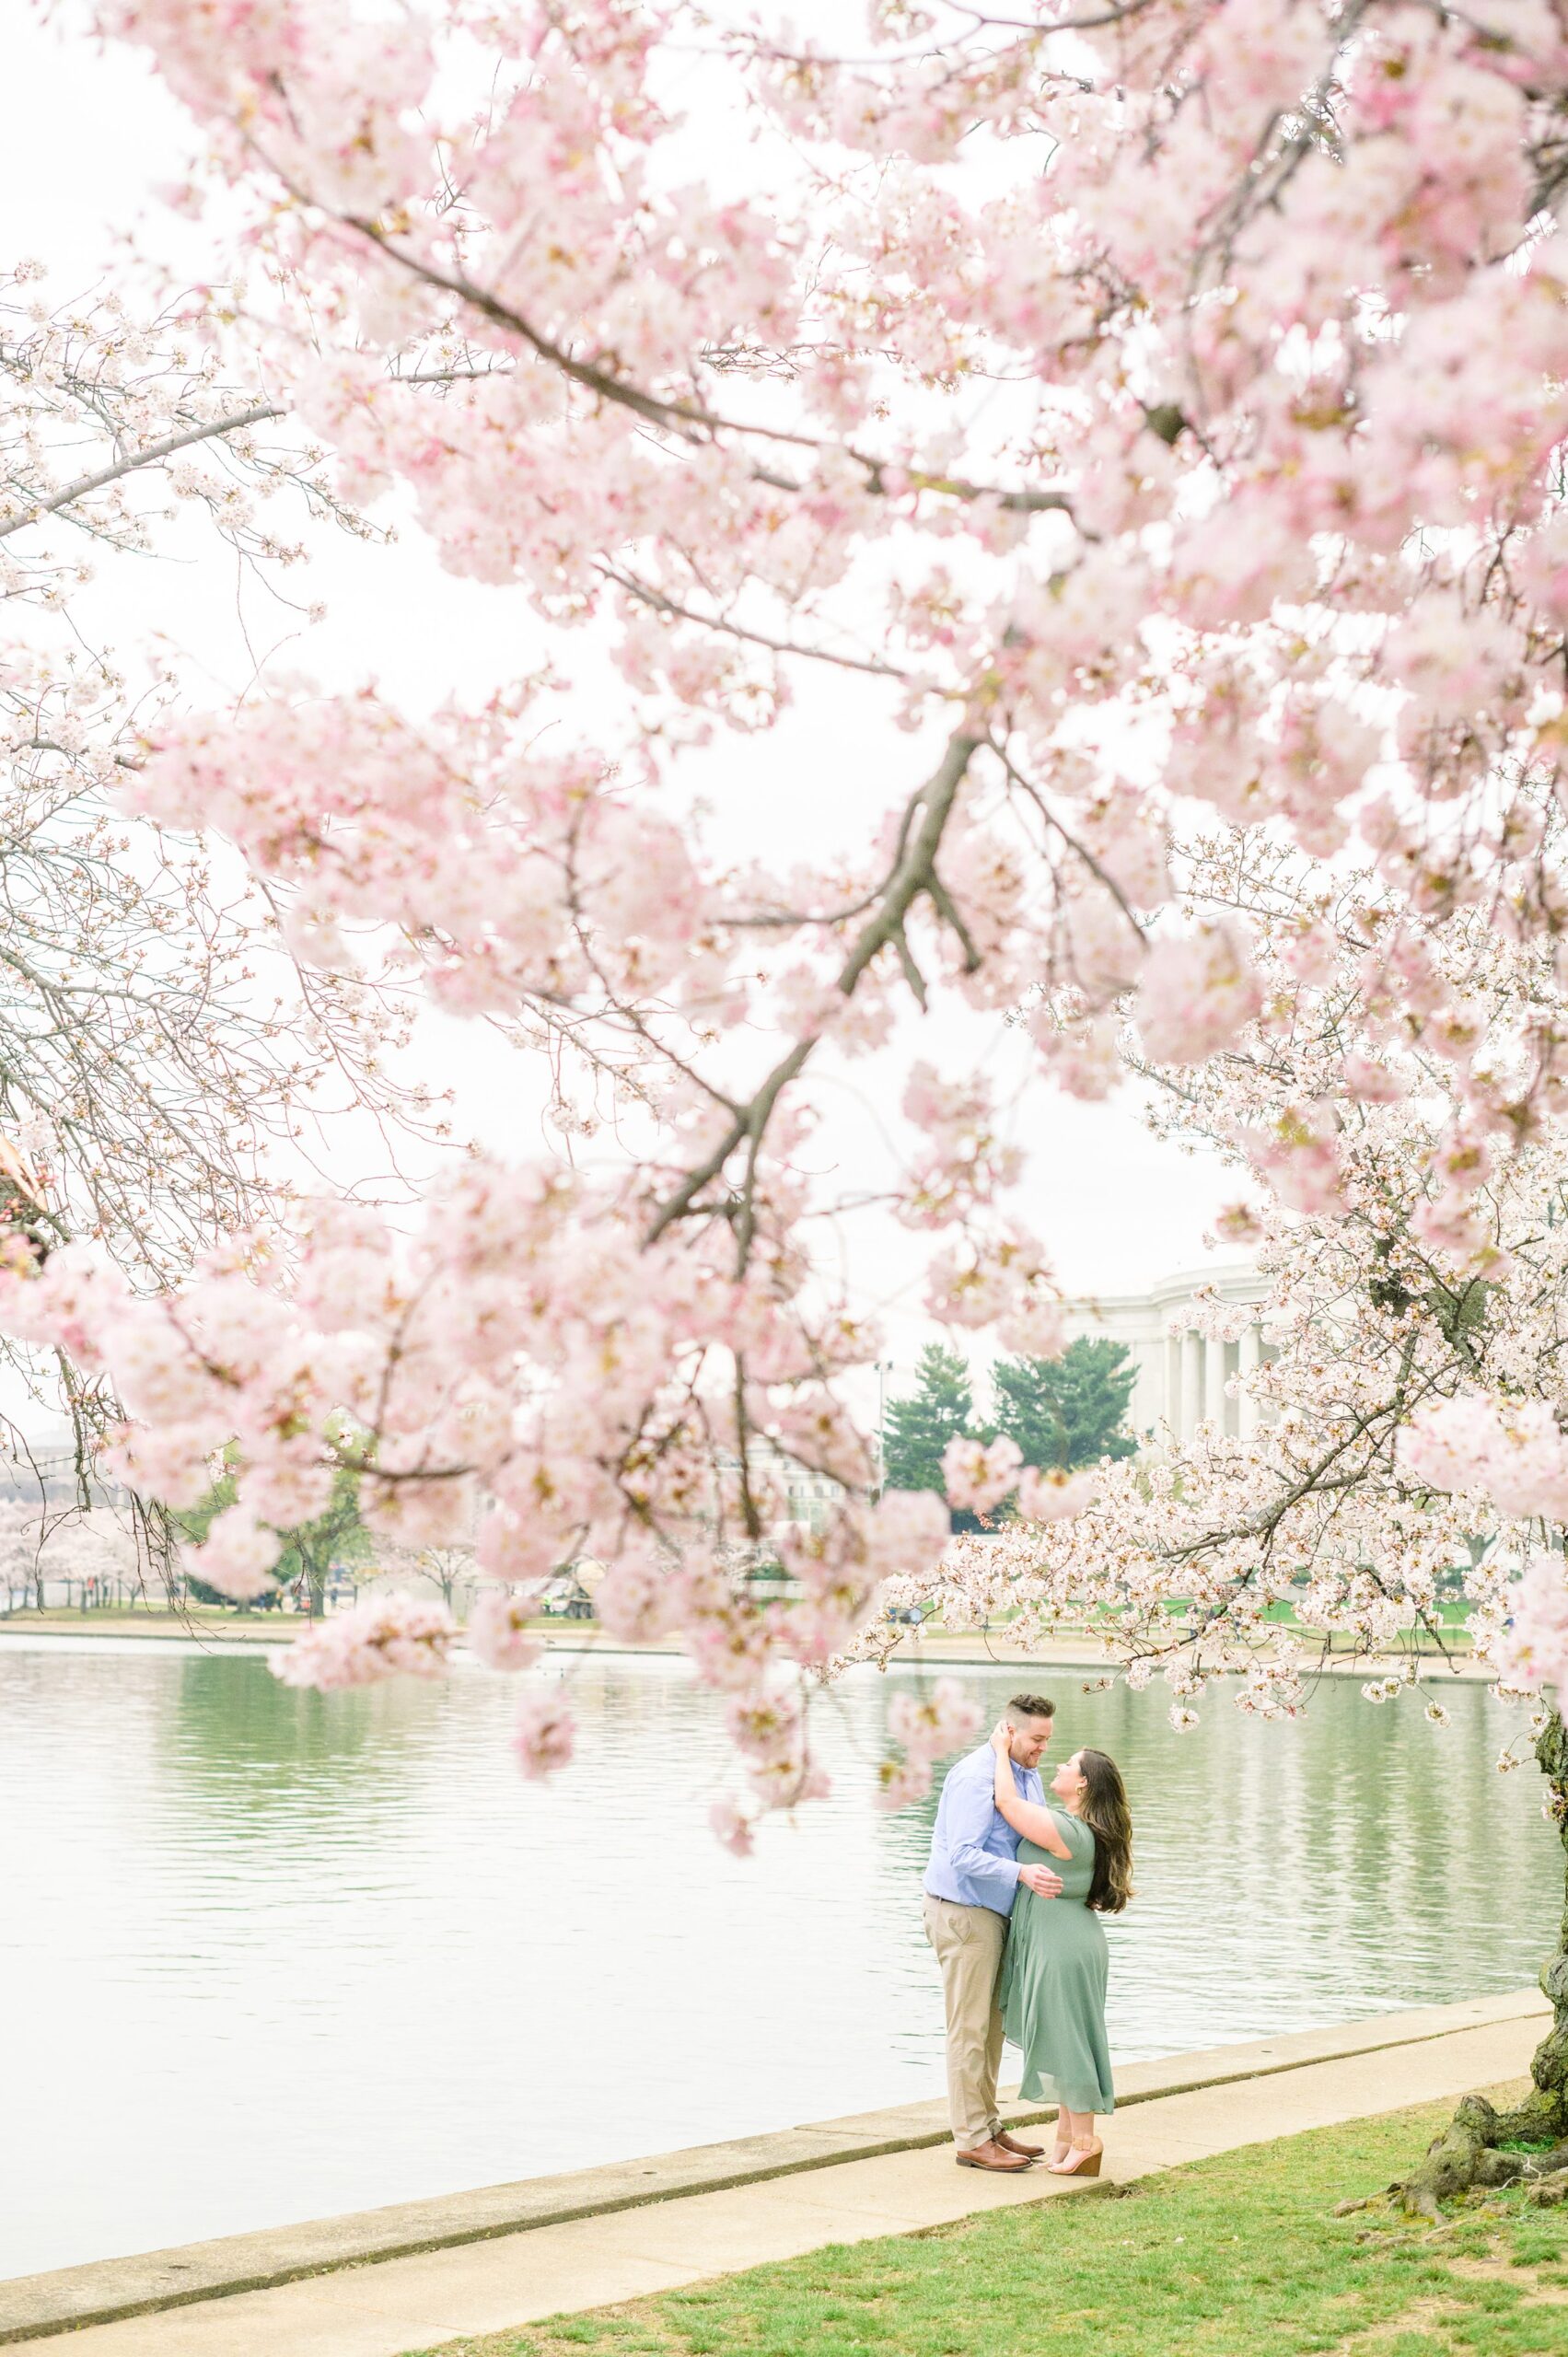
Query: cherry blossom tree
167, 1062
1141, 407
92, 1551
449, 1570
20, 1563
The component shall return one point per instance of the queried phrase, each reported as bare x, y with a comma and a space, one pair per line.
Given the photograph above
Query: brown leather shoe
991, 2156
1015, 2144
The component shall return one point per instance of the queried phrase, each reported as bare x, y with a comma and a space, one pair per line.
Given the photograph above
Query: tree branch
915, 874
85, 484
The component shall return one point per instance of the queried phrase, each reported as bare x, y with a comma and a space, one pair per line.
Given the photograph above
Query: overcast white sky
90, 137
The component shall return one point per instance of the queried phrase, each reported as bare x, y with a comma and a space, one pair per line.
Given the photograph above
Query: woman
1054, 1975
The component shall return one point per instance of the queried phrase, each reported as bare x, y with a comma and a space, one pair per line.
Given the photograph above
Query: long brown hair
1105, 1812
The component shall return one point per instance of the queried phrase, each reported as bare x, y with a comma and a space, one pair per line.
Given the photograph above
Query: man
970, 1886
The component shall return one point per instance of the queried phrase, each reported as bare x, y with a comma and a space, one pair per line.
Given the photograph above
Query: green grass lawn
1236, 2256
1451, 1616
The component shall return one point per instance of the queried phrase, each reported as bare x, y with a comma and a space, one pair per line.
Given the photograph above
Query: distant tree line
1065, 1412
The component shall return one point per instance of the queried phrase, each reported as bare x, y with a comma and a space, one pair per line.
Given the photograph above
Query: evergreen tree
939, 1410
1070, 1411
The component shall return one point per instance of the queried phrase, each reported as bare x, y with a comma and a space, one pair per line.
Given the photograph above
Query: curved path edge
65, 2299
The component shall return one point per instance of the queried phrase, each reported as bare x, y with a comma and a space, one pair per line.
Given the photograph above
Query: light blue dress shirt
974, 1851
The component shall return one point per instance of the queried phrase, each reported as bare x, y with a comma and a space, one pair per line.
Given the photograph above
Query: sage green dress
1053, 1977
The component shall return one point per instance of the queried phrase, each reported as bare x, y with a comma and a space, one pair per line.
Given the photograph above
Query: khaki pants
969, 1943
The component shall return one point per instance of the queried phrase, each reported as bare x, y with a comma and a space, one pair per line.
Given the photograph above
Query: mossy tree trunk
1550, 2068
1468, 2153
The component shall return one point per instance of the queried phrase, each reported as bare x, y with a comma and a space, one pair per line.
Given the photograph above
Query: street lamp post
884, 1368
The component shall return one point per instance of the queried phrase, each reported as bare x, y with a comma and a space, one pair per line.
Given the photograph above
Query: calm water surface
266, 1955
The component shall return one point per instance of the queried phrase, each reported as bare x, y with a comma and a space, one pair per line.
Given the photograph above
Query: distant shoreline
945, 1650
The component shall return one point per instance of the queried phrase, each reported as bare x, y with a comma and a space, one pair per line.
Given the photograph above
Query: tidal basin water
267, 1954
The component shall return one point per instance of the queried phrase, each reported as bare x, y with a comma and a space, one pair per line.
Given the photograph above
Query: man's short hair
1031, 1706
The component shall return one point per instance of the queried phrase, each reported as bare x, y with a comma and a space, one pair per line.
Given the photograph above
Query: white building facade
1182, 1374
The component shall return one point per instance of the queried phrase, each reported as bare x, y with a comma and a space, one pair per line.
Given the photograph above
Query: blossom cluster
382, 1637
927, 1728
1249, 314
1263, 521
1401, 1439
504, 1376
1509, 1453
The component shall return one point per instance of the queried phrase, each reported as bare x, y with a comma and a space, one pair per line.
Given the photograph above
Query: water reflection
282, 1954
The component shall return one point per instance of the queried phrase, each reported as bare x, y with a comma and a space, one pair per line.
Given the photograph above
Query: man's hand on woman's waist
1042, 1881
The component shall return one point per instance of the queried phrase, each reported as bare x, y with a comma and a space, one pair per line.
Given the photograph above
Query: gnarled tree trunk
1468, 2153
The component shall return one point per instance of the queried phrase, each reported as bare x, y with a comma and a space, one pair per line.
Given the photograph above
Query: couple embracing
1014, 1894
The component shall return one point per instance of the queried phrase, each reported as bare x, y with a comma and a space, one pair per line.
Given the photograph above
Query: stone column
1251, 1360
1173, 1384
1191, 1384
1213, 1389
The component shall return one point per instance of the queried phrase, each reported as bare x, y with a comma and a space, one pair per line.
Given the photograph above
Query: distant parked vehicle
564, 1599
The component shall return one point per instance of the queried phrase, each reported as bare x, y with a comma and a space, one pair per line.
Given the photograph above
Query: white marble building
1182, 1374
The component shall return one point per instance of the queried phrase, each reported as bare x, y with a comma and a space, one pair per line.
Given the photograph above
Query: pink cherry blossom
902, 1783
732, 1829
238, 1556
978, 1476
1054, 1495
637, 1599
935, 1725
1534, 1651
1195, 994
543, 1733
498, 1628
1299, 1156
1513, 1450
1239, 1222
379, 1637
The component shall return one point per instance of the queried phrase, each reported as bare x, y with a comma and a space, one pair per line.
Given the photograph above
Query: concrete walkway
1182, 2109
